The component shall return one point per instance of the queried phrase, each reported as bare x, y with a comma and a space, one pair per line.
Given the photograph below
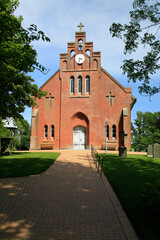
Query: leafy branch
17, 59
133, 34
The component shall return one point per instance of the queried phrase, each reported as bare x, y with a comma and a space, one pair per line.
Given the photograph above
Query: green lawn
136, 181
26, 163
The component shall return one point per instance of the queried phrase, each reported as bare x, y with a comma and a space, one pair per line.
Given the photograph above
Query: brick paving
69, 201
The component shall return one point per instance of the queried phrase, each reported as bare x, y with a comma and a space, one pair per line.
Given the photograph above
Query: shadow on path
68, 201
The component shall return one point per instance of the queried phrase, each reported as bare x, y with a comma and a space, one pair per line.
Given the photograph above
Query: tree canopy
21, 139
4, 132
145, 130
20, 135
18, 58
142, 30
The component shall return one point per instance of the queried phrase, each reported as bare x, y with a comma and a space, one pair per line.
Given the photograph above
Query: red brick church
84, 104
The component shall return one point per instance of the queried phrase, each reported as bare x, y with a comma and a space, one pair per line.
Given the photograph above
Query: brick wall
106, 101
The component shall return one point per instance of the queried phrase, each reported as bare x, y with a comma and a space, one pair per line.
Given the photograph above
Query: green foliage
17, 59
145, 131
25, 164
21, 140
4, 132
4, 148
128, 176
142, 30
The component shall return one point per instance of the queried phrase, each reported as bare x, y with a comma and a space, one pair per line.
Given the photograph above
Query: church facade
84, 104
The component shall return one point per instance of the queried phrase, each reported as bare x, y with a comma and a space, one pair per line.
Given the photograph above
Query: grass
26, 163
134, 180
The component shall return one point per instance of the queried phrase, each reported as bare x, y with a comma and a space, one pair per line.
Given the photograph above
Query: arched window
52, 131
88, 52
64, 65
107, 131
114, 131
95, 64
80, 84
88, 84
72, 53
72, 85
45, 131
80, 45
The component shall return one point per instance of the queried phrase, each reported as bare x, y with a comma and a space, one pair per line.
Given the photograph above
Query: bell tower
80, 55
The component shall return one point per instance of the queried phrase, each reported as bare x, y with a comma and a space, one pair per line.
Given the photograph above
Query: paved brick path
69, 201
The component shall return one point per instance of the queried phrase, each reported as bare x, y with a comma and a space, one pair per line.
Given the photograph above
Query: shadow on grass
128, 177
25, 164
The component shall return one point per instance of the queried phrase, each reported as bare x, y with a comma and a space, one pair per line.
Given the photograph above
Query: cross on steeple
80, 26
49, 98
110, 98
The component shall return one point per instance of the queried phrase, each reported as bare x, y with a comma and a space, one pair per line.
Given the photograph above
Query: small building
10, 124
84, 104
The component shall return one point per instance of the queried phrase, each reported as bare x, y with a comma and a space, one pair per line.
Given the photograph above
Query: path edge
123, 219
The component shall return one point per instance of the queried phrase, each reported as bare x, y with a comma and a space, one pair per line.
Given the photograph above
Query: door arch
79, 138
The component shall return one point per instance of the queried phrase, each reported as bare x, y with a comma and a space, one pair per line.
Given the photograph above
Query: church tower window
114, 131
88, 84
80, 45
72, 85
80, 84
72, 53
52, 131
45, 131
88, 52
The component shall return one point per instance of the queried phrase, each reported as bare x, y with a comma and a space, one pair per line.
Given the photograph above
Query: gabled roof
9, 123
50, 78
113, 79
118, 84
106, 73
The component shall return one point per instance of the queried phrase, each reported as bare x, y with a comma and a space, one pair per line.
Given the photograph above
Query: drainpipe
60, 113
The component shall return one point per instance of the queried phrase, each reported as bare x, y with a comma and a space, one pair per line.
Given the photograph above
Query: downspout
60, 113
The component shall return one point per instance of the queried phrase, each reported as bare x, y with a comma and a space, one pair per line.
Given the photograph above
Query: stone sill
76, 96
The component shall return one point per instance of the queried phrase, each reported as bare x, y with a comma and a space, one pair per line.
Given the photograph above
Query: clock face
79, 58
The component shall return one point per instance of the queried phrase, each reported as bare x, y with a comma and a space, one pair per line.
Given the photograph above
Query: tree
158, 121
21, 139
4, 132
17, 60
21, 135
142, 30
145, 130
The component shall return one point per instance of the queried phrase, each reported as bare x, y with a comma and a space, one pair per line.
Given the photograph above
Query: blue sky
59, 20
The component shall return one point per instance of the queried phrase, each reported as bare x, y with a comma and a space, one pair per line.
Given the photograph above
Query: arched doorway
79, 138
79, 131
